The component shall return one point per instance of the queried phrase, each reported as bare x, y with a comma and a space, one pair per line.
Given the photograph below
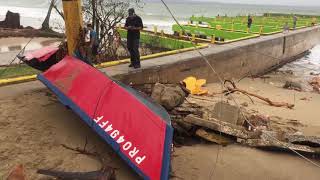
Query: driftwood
103, 174
213, 137
234, 89
223, 127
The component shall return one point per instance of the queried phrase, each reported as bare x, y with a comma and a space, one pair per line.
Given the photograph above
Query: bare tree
46, 22
106, 15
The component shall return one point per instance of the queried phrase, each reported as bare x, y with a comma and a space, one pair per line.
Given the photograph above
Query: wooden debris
103, 174
234, 89
312, 141
213, 137
260, 143
223, 127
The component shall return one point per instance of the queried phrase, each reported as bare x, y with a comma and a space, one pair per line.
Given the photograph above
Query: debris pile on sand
225, 123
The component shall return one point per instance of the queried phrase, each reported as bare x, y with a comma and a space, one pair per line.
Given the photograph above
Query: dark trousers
133, 47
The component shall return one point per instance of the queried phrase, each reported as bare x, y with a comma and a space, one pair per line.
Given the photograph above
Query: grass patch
159, 41
16, 71
270, 24
209, 32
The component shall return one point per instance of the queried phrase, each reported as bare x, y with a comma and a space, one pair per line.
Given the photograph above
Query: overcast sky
273, 2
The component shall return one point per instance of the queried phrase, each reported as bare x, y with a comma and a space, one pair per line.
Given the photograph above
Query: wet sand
306, 110
10, 47
33, 125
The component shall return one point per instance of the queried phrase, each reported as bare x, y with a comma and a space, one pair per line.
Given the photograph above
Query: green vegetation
266, 24
16, 71
159, 41
209, 32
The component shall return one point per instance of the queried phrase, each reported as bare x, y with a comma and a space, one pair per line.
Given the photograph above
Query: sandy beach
34, 125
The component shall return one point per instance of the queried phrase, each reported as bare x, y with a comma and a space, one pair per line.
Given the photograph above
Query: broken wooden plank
261, 143
213, 137
223, 127
312, 141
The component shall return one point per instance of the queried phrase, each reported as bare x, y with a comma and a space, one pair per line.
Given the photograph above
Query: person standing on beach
134, 25
249, 22
295, 19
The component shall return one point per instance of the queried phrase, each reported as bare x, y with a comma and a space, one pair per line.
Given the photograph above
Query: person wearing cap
134, 25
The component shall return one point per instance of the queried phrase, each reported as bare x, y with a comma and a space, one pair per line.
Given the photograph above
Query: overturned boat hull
137, 129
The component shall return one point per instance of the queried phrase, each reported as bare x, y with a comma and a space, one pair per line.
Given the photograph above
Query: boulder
168, 96
293, 85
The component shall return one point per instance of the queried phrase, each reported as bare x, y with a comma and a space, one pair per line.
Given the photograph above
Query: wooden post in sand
73, 22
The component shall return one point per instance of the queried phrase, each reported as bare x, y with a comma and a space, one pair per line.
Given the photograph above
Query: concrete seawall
249, 57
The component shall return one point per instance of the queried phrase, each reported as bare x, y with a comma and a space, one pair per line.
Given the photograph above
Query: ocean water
305, 66
153, 13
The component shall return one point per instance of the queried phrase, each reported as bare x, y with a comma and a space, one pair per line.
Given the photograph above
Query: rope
233, 98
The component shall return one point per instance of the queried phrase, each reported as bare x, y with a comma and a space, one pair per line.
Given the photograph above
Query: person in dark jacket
249, 22
134, 25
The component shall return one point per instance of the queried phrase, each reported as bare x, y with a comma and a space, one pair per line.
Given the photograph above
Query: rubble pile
224, 123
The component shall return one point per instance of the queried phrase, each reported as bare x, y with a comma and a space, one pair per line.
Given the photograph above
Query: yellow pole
193, 37
73, 22
213, 39
155, 29
261, 30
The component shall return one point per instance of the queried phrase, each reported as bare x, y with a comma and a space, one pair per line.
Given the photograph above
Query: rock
12, 21
226, 112
168, 96
289, 72
157, 92
315, 83
293, 85
245, 104
314, 74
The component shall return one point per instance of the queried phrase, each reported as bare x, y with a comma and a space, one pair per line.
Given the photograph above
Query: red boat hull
136, 128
